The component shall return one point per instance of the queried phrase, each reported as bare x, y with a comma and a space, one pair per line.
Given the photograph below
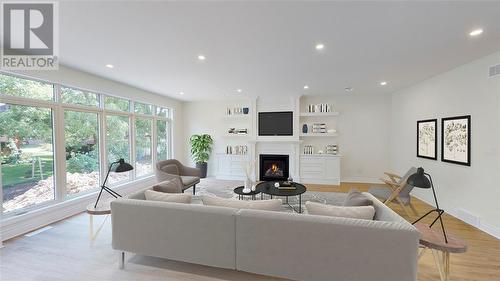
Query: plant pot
203, 169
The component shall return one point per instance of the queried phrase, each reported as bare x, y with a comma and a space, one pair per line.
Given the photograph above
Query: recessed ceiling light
320, 46
181, 93
239, 90
109, 66
383, 83
201, 57
476, 32
306, 87
348, 89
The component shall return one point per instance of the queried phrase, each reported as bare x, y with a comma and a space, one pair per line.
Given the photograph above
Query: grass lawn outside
21, 173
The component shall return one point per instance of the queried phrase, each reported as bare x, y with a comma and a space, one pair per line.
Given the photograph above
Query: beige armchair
173, 169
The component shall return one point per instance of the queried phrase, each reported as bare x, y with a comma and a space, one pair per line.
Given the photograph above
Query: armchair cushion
169, 186
189, 181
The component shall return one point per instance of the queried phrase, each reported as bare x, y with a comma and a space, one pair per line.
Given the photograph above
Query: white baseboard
479, 224
27, 222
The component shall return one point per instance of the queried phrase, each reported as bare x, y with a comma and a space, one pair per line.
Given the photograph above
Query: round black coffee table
268, 188
239, 191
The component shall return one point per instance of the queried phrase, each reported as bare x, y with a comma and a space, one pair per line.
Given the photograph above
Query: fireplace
273, 167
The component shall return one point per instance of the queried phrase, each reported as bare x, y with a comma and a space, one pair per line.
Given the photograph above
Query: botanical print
456, 140
426, 146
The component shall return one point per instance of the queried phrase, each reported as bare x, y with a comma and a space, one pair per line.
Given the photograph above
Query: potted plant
201, 146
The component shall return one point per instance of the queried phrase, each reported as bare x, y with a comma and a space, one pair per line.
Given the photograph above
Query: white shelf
237, 136
319, 114
237, 116
320, 155
319, 135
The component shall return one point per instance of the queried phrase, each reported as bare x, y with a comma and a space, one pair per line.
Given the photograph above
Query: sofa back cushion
170, 169
356, 212
356, 198
267, 205
169, 186
167, 197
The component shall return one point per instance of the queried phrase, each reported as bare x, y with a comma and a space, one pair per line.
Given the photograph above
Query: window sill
14, 225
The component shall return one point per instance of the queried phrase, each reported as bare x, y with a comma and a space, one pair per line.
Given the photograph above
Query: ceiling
268, 48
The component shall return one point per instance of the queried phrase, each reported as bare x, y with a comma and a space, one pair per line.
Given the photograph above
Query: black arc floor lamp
423, 180
120, 168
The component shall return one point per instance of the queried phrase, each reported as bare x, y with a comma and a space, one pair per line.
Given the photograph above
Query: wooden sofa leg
194, 189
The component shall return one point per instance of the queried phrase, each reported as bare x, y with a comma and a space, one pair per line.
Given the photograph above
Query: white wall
72, 77
463, 90
363, 127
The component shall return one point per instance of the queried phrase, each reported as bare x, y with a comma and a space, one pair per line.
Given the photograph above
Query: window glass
81, 134
162, 111
143, 108
117, 144
27, 156
18, 87
74, 96
143, 146
162, 140
117, 104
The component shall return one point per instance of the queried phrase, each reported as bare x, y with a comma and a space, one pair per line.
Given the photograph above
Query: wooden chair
397, 191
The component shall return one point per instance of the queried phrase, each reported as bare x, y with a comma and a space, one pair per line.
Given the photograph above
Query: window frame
58, 130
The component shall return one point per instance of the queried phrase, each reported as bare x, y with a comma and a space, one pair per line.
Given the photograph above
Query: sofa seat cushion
170, 169
189, 180
356, 198
266, 205
167, 197
169, 186
356, 212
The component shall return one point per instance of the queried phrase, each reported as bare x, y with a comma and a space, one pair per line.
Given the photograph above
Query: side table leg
439, 259
91, 228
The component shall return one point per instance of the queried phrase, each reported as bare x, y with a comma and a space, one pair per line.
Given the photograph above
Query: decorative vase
254, 187
247, 187
245, 110
304, 128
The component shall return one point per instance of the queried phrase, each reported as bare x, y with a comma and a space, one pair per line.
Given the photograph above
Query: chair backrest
405, 192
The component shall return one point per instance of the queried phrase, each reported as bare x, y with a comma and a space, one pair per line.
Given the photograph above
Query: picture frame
456, 140
427, 139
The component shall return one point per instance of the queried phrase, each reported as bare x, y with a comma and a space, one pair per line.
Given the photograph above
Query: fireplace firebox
273, 167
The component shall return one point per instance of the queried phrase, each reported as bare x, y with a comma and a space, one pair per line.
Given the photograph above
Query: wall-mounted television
276, 123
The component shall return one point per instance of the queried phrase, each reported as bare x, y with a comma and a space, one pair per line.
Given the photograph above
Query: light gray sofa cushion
167, 197
268, 205
307, 247
354, 212
356, 198
183, 232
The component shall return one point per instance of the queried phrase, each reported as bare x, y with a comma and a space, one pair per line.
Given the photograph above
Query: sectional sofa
280, 244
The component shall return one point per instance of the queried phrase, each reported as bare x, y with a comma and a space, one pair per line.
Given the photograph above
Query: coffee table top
435, 240
268, 187
239, 191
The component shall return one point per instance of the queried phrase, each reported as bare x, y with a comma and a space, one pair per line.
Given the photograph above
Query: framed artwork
455, 140
427, 139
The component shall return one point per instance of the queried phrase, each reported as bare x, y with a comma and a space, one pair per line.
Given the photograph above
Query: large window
81, 136
143, 146
27, 155
94, 130
117, 144
162, 146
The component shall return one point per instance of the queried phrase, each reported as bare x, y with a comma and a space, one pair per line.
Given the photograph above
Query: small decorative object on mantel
304, 128
455, 140
427, 139
308, 149
245, 110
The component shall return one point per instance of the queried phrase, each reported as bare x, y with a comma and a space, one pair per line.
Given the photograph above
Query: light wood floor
63, 253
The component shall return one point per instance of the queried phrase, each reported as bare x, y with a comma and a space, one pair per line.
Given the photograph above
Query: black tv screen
276, 123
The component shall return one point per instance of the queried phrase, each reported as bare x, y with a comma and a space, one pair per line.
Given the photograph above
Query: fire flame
274, 168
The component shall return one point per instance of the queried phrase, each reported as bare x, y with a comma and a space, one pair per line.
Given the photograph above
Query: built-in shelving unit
319, 114
319, 135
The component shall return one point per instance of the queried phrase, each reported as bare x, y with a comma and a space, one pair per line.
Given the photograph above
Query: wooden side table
441, 250
103, 209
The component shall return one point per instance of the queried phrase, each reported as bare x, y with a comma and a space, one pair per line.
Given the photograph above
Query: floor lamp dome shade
120, 168
421, 179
